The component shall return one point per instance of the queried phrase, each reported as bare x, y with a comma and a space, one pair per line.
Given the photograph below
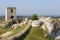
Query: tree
34, 17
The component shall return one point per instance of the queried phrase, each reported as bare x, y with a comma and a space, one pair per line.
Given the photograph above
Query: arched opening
11, 17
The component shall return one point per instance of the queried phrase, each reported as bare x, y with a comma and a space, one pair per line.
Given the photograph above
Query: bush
34, 17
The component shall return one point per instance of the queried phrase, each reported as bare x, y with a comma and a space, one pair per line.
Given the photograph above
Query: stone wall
20, 33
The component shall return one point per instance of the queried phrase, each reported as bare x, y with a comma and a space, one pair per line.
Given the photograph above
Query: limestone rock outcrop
47, 24
15, 26
35, 23
52, 28
25, 21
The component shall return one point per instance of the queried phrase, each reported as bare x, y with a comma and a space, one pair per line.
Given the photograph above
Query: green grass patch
15, 31
3, 30
18, 30
37, 34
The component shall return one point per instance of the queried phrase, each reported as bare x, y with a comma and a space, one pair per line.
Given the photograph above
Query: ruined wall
10, 13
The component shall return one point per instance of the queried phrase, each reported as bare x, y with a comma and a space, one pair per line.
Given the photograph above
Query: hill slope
37, 34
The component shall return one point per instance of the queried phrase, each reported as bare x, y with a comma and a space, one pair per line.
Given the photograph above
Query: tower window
11, 10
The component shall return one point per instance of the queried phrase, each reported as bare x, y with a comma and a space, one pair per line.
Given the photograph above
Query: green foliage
20, 19
34, 17
10, 23
2, 19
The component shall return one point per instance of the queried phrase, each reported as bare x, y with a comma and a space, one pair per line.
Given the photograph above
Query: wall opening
11, 10
11, 17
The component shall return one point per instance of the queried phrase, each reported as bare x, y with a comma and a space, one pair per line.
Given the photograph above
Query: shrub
10, 23
34, 17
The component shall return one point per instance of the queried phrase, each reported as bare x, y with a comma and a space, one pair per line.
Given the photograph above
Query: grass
3, 29
15, 31
37, 34
18, 30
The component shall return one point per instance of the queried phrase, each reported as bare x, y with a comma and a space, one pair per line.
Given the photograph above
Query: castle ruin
10, 13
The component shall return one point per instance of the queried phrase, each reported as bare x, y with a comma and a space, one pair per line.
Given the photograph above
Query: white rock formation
35, 23
25, 21
46, 19
15, 26
48, 25
56, 32
58, 37
21, 24
53, 29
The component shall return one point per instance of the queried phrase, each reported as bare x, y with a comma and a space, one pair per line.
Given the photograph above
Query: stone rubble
15, 26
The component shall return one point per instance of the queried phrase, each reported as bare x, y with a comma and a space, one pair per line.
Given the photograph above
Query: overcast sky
28, 7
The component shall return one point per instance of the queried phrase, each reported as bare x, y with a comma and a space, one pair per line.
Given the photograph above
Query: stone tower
10, 13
